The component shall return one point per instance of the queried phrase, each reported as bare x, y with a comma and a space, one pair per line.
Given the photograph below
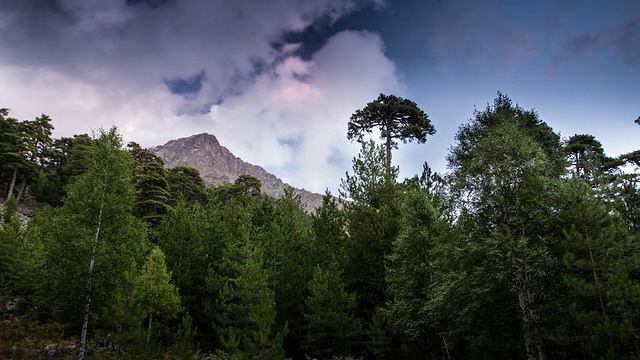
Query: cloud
114, 40
622, 41
303, 108
167, 69
188, 86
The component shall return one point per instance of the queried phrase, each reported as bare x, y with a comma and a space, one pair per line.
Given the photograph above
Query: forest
527, 248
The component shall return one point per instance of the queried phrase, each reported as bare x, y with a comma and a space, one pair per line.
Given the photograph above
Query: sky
277, 81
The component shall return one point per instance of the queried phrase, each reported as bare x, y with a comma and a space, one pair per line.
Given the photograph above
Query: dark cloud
118, 40
626, 41
623, 41
188, 86
151, 3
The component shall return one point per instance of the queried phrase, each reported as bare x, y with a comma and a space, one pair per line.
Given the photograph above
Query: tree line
528, 248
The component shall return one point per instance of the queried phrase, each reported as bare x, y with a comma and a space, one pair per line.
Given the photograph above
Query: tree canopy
396, 117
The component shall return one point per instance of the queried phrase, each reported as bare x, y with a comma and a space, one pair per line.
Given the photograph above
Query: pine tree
186, 184
248, 303
373, 222
397, 118
601, 255
187, 238
410, 274
150, 182
287, 247
331, 328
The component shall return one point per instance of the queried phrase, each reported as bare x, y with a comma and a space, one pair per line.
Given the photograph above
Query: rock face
218, 166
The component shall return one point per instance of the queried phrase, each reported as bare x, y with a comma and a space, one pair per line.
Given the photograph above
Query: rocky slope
218, 166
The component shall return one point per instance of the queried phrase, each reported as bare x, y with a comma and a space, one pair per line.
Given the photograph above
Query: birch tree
92, 239
504, 167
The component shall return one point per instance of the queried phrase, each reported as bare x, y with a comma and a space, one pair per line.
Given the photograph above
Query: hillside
218, 166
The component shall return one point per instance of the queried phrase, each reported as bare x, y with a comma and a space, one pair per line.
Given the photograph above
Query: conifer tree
332, 328
186, 184
150, 182
373, 222
601, 255
248, 304
186, 236
410, 274
397, 118
287, 246
329, 236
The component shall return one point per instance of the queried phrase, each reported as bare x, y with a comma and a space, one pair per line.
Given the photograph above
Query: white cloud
312, 110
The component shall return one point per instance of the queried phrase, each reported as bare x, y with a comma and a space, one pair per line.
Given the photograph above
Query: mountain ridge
219, 166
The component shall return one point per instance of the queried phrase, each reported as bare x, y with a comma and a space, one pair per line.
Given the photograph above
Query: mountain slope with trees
218, 166
527, 249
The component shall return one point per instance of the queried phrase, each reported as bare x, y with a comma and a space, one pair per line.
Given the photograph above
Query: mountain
218, 166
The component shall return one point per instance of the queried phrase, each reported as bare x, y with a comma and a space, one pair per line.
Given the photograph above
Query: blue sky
277, 81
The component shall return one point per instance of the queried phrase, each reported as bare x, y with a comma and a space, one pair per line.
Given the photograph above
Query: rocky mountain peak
218, 166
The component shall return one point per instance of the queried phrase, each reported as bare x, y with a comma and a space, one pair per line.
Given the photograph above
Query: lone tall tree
397, 118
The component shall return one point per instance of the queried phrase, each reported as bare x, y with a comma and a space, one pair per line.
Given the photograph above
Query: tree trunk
94, 250
388, 154
446, 347
22, 187
149, 328
530, 318
603, 310
12, 184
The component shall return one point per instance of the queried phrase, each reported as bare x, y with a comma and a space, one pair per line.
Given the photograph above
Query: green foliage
331, 328
125, 314
151, 186
410, 273
396, 117
601, 257
244, 186
329, 239
503, 258
373, 223
186, 236
67, 159
288, 249
10, 256
95, 226
9, 210
160, 296
506, 166
185, 345
248, 302
24, 149
186, 184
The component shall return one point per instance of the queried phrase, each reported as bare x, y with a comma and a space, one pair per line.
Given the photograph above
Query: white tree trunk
22, 187
149, 328
12, 184
526, 298
94, 250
